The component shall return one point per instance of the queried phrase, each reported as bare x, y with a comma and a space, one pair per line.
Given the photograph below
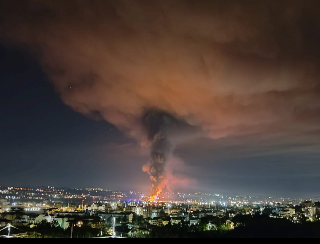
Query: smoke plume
156, 123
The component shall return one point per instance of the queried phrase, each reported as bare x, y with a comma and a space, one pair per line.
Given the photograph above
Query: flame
156, 191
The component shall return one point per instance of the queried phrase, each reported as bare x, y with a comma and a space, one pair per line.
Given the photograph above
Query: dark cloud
228, 68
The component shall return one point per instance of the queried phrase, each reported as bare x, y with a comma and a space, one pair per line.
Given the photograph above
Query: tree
55, 223
203, 224
267, 211
135, 218
44, 228
109, 221
141, 220
124, 218
242, 220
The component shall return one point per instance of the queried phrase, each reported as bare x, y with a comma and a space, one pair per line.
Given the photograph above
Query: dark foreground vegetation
245, 226
261, 226
273, 229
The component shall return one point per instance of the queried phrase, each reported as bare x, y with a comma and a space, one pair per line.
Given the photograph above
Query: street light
9, 229
114, 223
71, 229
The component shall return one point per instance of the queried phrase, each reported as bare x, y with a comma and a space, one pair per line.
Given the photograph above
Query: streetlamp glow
114, 223
9, 229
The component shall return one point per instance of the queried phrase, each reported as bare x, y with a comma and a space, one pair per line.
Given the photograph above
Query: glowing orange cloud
225, 68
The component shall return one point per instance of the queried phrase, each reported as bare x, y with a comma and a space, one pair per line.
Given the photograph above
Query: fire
157, 190
153, 197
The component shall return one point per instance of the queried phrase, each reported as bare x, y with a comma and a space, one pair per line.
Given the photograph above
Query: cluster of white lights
32, 209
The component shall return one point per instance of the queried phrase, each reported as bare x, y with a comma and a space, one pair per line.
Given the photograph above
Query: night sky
190, 95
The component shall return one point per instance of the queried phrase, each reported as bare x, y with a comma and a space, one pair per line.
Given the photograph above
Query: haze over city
179, 95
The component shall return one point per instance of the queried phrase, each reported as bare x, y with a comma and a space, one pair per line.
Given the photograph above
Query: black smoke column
157, 123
